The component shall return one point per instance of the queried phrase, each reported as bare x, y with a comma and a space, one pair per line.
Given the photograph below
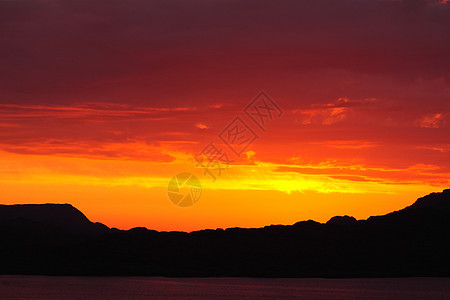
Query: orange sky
103, 103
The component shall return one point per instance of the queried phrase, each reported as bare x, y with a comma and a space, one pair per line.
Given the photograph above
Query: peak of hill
57, 216
434, 207
433, 200
342, 220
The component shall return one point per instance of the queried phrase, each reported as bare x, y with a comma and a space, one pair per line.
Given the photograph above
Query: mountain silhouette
57, 239
63, 217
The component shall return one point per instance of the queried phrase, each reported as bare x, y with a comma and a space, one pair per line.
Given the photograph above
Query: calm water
43, 287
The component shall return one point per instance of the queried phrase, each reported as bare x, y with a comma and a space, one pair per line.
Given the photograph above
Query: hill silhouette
62, 217
57, 239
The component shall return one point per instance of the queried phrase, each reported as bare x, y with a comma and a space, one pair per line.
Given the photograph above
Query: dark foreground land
214, 288
55, 239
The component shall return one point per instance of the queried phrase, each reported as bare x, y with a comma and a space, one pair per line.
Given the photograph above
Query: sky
103, 102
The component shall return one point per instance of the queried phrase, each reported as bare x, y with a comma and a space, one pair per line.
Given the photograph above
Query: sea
58, 287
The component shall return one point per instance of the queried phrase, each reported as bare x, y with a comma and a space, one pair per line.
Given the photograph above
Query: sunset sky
102, 102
